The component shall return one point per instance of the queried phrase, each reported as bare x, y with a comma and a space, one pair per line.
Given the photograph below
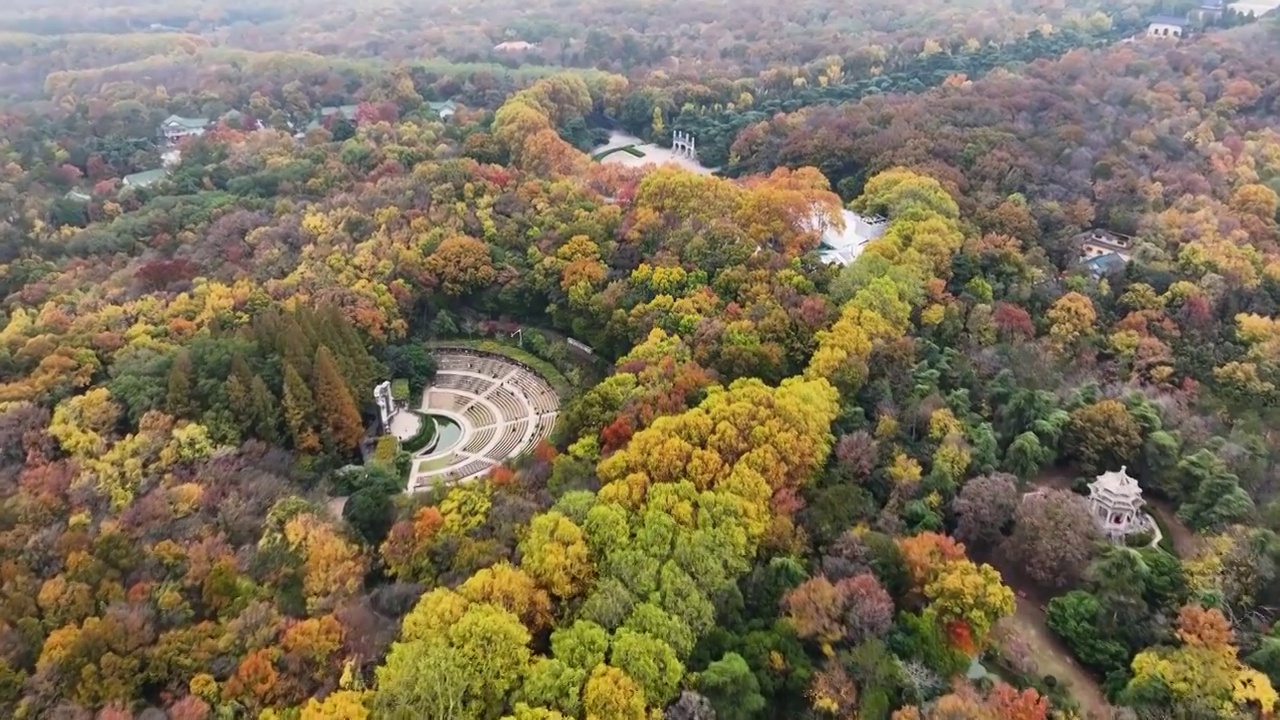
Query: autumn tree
1071, 319
461, 265
555, 554
1054, 537
300, 411
966, 600
984, 508
610, 694
477, 654
340, 424
1103, 436
1204, 670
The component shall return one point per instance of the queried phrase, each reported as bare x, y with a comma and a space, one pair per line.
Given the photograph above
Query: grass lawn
434, 464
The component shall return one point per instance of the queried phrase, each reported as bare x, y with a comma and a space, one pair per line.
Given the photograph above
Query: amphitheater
501, 409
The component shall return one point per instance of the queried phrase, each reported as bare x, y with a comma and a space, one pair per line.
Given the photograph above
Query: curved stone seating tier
540, 395
475, 467
504, 407
479, 414
543, 429
451, 362
480, 440
448, 381
514, 436
510, 406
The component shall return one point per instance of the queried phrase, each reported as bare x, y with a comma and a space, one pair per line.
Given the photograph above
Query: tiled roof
188, 123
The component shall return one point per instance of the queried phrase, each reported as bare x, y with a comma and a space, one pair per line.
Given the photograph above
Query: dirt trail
1185, 542
1052, 658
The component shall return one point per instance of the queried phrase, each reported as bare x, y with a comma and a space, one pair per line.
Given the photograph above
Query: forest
777, 488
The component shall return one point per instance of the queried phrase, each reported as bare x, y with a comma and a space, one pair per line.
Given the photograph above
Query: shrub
1140, 539
370, 513
384, 453
400, 390
426, 433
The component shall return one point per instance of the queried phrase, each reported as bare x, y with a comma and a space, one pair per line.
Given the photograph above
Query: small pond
448, 433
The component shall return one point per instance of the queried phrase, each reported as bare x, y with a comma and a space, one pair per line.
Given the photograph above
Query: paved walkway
405, 424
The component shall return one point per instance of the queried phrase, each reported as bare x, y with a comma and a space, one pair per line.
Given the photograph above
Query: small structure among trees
1115, 501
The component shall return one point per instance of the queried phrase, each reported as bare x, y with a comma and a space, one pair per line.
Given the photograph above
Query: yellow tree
332, 567
1204, 669
611, 695
511, 589
1072, 319
554, 552
473, 662
338, 705
461, 265
82, 424
967, 600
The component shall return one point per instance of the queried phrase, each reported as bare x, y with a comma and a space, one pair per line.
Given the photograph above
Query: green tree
732, 689
138, 379
582, 645
473, 661
1026, 456
1075, 617
413, 363
1216, 498
264, 410
180, 400
371, 513
650, 662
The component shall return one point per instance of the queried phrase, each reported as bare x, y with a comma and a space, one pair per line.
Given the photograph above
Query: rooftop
348, 111
842, 246
1104, 264
443, 109
1116, 489
145, 178
1169, 20
177, 121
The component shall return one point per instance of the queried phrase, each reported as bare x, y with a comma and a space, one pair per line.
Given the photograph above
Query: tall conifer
299, 411
179, 401
339, 417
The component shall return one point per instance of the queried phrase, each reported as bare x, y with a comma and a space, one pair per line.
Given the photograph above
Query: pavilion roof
1116, 489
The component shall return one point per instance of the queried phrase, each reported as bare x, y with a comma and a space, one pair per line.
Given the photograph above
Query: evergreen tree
299, 411
295, 347
359, 368
266, 423
238, 395
340, 418
179, 401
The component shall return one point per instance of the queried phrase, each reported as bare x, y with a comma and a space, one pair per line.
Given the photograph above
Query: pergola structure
1115, 501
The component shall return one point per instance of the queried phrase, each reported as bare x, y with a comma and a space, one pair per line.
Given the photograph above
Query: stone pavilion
1115, 500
